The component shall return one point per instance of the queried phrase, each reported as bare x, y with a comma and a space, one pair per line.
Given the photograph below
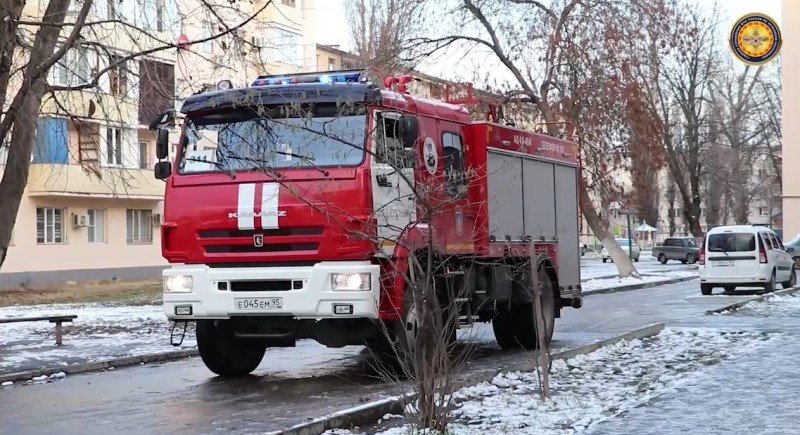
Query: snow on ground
605, 283
100, 332
776, 306
592, 388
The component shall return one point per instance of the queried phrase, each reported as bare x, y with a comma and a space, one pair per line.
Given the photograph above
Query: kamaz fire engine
293, 206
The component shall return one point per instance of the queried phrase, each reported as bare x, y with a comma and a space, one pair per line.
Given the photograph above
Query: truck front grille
233, 241
266, 286
279, 247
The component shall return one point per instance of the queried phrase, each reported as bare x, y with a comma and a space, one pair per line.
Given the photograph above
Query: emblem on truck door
429, 155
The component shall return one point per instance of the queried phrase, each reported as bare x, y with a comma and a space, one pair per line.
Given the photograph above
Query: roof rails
339, 76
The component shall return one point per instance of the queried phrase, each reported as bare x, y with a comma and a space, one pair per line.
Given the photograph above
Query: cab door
392, 169
455, 219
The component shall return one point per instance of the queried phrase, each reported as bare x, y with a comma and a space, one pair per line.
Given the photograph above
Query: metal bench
52, 319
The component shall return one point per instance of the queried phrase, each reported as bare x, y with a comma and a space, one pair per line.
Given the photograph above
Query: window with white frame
114, 146
96, 226
140, 226
285, 47
144, 161
207, 30
762, 211
49, 225
72, 69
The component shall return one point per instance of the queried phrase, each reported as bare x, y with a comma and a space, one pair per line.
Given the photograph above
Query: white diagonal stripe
246, 210
269, 205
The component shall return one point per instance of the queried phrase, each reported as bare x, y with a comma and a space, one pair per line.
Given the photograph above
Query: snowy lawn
592, 388
606, 283
776, 306
100, 332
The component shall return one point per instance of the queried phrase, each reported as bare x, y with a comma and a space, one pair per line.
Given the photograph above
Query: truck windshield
248, 139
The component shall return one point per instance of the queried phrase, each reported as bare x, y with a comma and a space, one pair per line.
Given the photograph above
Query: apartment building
92, 208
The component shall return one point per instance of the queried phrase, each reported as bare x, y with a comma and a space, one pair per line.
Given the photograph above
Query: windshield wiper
305, 159
718, 250
219, 165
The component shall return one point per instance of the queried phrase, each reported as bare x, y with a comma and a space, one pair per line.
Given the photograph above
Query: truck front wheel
223, 353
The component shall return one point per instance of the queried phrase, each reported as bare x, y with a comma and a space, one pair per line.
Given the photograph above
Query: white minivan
744, 256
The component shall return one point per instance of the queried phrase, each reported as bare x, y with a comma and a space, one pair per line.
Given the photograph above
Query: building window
143, 157
49, 225
140, 226
96, 226
51, 142
160, 11
331, 64
72, 69
675, 212
111, 10
285, 47
114, 146
290, 3
762, 211
118, 76
762, 173
207, 32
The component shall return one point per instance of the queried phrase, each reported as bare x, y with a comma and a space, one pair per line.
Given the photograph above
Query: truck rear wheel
223, 353
516, 328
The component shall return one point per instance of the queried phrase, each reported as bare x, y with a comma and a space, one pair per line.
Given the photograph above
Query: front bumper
315, 300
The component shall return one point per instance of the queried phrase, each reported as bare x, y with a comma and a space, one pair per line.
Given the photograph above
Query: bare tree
31, 46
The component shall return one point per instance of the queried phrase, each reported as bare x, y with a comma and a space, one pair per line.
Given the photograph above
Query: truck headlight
178, 284
351, 281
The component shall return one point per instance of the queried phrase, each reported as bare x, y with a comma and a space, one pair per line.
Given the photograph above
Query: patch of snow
58, 375
592, 388
39, 378
7, 384
776, 306
607, 283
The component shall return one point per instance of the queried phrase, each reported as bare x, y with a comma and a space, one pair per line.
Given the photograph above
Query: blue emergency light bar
345, 76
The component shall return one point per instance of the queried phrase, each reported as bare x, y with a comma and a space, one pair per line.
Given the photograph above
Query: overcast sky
332, 29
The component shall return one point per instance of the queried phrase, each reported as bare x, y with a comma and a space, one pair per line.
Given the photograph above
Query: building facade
92, 208
790, 58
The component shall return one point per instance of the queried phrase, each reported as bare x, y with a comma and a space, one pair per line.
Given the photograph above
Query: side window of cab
389, 144
454, 171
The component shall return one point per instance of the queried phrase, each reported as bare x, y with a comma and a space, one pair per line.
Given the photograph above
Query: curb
740, 304
624, 288
370, 412
100, 365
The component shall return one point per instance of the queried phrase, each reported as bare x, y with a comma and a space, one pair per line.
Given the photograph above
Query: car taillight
762, 253
701, 257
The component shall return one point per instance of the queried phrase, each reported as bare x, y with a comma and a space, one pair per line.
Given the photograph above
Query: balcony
75, 181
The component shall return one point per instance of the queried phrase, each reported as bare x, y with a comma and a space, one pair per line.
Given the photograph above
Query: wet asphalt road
293, 384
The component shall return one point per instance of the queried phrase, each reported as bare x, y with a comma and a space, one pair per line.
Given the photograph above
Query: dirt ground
124, 292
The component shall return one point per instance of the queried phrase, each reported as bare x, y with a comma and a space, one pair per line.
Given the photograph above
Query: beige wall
790, 58
77, 253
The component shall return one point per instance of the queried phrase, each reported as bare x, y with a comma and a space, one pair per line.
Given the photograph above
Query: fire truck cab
293, 207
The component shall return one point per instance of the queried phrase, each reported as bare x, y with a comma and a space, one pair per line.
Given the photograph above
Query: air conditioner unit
156, 218
80, 220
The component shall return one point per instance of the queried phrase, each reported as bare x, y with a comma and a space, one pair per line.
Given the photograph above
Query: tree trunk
15, 176
600, 228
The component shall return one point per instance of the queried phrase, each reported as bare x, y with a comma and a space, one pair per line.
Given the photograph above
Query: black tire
605, 259
503, 327
729, 288
521, 321
690, 258
792, 280
636, 259
771, 285
662, 258
225, 354
706, 289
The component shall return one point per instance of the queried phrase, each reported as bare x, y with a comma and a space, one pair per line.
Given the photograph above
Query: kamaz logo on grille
236, 215
258, 240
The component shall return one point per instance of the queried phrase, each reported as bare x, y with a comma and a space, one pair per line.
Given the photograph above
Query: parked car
683, 249
748, 256
623, 243
793, 248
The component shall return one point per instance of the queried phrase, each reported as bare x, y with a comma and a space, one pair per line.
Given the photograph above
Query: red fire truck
293, 206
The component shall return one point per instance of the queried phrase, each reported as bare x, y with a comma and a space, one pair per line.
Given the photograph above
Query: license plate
723, 263
258, 304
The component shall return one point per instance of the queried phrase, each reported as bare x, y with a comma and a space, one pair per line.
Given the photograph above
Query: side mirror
162, 143
409, 130
164, 118
163, 170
